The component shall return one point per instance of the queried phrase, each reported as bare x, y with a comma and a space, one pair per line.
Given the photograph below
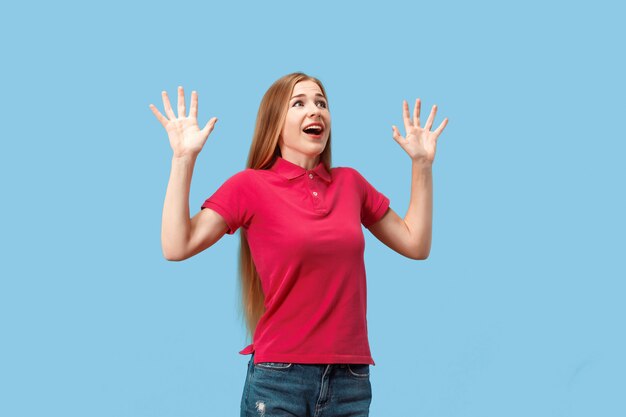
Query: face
307, 125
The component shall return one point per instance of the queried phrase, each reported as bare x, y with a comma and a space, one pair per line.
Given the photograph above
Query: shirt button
315, 193
311, 176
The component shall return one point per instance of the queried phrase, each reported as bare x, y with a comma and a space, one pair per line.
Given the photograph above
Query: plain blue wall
519, 311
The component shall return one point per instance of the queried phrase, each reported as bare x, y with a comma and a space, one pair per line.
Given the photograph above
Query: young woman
301, 257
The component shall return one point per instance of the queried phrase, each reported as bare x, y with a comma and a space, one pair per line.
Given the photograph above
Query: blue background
518, 311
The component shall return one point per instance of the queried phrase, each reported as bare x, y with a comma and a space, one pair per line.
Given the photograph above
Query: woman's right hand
186, 138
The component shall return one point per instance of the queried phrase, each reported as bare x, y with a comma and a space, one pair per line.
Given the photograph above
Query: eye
322, 104
296, 102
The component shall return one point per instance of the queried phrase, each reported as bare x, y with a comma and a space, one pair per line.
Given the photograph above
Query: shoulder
242, 177
345, 173
239, 183
356, 180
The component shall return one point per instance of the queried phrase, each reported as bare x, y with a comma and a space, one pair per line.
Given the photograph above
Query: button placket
316, 189
312, 191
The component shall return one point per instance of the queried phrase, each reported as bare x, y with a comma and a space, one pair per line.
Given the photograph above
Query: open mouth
314, 130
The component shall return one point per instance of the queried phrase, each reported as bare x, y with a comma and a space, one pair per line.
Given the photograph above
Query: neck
302, 161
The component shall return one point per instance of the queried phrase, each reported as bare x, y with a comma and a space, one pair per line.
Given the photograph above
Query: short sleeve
374, 204
233, 201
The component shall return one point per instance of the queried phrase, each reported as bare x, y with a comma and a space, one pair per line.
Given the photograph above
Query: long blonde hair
263, 152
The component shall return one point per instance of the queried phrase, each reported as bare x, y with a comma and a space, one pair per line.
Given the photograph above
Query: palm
183, 131
420, 142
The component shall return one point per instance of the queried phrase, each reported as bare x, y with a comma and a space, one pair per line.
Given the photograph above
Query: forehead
307, 87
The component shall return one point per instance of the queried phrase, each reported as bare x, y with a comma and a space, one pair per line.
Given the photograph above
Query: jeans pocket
274, 365
359, 370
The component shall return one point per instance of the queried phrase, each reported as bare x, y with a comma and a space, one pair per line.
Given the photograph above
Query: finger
167, 106
396, 135
209, 126
441, 127
416, 113
181, 102
431, 118
406, 116
193, 111
158, 115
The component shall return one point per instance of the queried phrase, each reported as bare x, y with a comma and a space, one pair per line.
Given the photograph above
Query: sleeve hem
222, 212
379, 213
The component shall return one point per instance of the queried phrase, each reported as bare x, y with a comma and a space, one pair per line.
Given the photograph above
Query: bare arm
412, 235
182, 237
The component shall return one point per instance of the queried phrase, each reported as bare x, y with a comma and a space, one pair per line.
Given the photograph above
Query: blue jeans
278, 389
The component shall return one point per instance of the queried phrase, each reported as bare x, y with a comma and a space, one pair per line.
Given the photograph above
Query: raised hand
186, 138
420, 143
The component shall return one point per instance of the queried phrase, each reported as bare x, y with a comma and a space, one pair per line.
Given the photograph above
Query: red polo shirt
305, 236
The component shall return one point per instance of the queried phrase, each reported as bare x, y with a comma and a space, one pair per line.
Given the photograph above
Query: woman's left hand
420, 143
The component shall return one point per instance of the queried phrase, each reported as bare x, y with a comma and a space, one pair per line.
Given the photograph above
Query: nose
315, 110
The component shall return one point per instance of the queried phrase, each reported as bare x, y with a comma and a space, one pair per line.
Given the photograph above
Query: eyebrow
304, 95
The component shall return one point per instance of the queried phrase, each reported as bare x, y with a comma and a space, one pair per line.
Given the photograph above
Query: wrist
421, 164
187, 158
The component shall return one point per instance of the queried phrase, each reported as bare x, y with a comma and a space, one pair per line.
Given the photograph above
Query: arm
412, 235
182, 237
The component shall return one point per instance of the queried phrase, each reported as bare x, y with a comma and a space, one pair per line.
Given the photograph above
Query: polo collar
290, 170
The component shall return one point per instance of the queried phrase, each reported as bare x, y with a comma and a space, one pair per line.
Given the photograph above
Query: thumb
209, 127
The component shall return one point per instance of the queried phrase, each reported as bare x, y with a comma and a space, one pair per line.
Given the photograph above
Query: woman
301, 258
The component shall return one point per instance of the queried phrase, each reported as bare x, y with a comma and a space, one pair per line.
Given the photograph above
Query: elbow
420, 255
172, 255
173, 249
173, 258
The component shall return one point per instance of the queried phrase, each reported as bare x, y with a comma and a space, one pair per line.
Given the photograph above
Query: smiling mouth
314, 131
